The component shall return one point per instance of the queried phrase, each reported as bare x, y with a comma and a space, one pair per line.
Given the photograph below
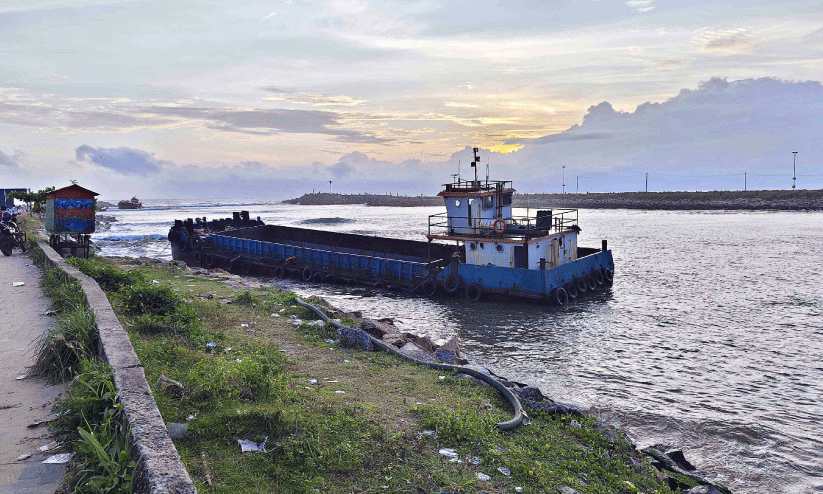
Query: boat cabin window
457, 203
505, 200
488, 202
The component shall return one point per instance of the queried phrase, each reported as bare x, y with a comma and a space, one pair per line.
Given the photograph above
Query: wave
131, 238
326, 221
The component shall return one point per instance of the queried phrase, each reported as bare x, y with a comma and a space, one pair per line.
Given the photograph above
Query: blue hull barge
475, 249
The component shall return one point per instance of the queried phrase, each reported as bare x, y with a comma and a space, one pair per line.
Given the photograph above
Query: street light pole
564, 179
794, 169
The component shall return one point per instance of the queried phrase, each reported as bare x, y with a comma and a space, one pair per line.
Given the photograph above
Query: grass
339, 420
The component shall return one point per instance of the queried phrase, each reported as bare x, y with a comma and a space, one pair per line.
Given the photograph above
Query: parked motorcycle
11, 236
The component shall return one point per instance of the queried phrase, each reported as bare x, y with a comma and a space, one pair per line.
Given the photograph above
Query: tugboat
134, 203
476, 249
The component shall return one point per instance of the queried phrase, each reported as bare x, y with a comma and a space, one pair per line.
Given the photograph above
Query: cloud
307, 98
724, 40
123, 160
641, 5
269, 121
720, 128
10, 163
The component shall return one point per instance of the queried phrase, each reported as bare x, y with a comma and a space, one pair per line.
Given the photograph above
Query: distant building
9, 202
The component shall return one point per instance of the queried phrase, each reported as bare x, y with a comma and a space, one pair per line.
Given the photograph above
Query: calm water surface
709, 340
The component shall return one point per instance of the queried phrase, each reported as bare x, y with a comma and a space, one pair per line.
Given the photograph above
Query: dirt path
23, 401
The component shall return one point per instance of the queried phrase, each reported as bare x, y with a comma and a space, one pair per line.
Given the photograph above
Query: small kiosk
70, 218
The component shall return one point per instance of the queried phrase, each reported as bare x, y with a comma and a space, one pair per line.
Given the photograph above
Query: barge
476, 249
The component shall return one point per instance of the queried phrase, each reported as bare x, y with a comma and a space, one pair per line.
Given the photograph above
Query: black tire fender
452, 283
560, 297
428, 288
474, 291
306, 274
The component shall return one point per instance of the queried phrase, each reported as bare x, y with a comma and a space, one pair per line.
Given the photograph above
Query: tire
608, 276
598, 277
6, 245
474, 292
352, 282
318, 277
581, 285
428, 288
571, 290
330, 278
560, 297
452, 283
247, 267
306, 274
279, 272
591, 284
379, 285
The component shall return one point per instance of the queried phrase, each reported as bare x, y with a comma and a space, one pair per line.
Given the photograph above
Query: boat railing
544, 223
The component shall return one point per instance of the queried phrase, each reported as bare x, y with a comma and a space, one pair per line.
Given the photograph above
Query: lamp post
329, 186
564, 179
794, 169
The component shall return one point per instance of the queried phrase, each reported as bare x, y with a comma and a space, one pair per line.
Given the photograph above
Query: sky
225, 99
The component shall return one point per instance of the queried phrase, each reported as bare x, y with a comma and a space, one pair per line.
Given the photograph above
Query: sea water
710, 340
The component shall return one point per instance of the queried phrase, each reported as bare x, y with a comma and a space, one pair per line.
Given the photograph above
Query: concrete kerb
160, 469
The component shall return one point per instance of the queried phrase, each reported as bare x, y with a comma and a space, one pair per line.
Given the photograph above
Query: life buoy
474, 291
428, 288
330, 278
591, 284
608, 276
598, 277
279, 271
318, 277
306, 274
452, 283
571, 290
581, 285
499, 226
561, 298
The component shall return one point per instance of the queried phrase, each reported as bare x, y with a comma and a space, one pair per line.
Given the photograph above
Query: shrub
249, 377
110, 278
59, 352
151, 299
65, 293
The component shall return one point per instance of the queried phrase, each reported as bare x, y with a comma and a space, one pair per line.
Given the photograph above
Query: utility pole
564, 179
647, 181
329, 186
744, 182
794, 169
577, 190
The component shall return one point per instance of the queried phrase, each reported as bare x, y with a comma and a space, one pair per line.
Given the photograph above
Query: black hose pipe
519, 414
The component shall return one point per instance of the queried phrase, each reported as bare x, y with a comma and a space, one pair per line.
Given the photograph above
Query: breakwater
754, 200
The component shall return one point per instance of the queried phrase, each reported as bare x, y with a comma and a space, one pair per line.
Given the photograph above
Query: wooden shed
70, 210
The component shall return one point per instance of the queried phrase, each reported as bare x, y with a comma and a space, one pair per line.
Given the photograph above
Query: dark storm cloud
269, 121
123, 160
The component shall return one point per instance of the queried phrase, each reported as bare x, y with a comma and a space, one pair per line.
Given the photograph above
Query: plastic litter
47, 447
17, 283
211, 344
449, 453
246, 445
482, 476
340, 392
191, 417
518, 489
312, 381
575, 424
505, 471
297, 322
21, 377
24, 456
275, 315
59, 459
155, 282
318, 323
441, 377
244, 325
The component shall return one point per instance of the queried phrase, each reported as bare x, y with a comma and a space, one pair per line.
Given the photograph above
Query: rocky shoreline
757, 200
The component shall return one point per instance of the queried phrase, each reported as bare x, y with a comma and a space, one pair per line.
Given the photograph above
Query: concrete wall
160, 469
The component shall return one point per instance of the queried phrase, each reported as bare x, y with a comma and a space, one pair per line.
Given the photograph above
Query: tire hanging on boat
571, 290
581, 285
591, 284
379, 285
247, 267
330, 278
306, 274
318, 277
560, 297
279, 271
452, 283
608, 276
428, 288
598, 277
474, 291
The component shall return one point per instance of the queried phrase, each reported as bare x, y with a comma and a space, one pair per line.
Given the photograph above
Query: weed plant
107, 276
90, 421
65, 293
159, 309
58, 352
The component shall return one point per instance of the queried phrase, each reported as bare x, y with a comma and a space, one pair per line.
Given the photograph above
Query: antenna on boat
475, 162
487, 170
458, 170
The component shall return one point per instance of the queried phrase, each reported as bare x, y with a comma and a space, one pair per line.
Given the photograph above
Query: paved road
24, 401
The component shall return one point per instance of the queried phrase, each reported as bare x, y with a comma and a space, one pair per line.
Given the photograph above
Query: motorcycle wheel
6, 244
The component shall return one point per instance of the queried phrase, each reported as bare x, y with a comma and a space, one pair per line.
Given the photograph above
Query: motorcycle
11, 236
